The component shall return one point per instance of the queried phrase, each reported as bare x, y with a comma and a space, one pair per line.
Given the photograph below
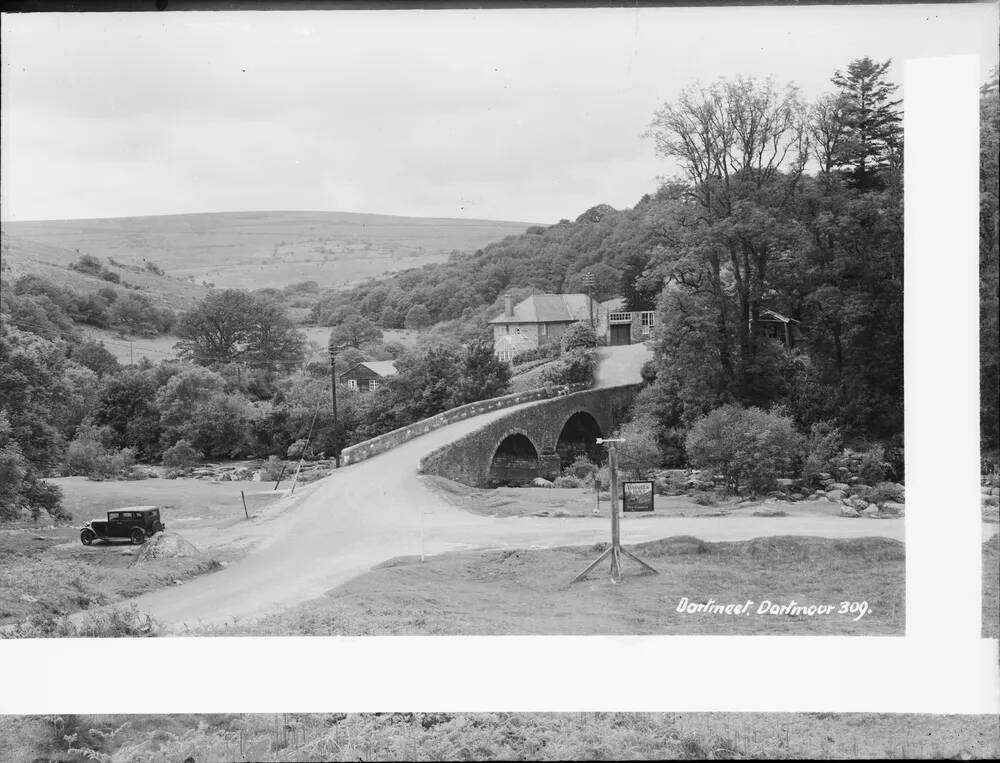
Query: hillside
254, 249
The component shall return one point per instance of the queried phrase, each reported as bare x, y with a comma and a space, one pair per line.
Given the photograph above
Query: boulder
541, 482
824, 476
860, 504
165, 545
835, 495
891, 507
847, 511
871, 510
786, 482
840, 486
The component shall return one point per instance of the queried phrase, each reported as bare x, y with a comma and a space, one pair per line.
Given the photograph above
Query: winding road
339, 527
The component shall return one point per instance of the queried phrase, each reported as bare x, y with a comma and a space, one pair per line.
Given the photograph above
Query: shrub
745, 446
887, 491
88, 456
823, 445
873, 466
582, 468
543, 352
180, 458
87, 264
567, 480
705, 498
579, 336
574, 367
271, 470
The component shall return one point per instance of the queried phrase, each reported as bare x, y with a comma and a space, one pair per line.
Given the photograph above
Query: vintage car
133, 523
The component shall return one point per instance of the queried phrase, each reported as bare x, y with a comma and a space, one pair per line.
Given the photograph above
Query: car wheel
87, 537
138, 536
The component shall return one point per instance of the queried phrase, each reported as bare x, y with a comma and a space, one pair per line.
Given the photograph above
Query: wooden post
282, 474
244, 504
616, 536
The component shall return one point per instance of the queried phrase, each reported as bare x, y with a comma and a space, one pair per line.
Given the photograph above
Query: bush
271, 470
87, 455
567, 480
705, 498
873, 466
543, 352
745, 446
823, 445
180, 458
574, 367
579, 336
582, 468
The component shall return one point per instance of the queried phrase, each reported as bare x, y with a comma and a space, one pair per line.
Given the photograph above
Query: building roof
776, 316
380, 367
550, 308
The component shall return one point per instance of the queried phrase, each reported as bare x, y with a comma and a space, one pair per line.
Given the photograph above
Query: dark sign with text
637, 496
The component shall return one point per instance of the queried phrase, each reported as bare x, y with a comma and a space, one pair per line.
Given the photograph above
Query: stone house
542, 319
367, 376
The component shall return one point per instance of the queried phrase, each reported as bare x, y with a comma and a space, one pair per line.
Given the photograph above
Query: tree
127, 406
417, 318
235, 326
482, 375
746, 446
872, 137
355, 330
989, 264
95, 356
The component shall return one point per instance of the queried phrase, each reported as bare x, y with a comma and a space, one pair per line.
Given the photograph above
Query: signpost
588, 280
615, 550
637, 496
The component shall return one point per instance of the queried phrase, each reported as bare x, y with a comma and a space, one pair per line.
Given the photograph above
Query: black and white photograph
484, 322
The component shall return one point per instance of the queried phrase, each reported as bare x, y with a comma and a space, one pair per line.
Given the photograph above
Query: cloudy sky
530, 115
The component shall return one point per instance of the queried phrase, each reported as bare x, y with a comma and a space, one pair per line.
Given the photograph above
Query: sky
528, 115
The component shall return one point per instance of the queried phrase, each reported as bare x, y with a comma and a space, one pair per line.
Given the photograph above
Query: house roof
380, 367
777, 316
549, 308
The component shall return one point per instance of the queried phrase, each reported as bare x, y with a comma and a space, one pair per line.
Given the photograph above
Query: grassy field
250, 249
46, 572
497, 736
529, 592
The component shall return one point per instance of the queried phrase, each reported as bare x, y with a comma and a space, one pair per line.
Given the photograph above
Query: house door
621, 333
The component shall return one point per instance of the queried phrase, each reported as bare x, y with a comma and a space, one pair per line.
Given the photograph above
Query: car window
114, 516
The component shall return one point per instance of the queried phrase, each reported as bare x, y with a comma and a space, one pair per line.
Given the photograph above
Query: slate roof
380, 367
550, 308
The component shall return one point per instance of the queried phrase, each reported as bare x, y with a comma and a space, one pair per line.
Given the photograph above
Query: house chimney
508, 306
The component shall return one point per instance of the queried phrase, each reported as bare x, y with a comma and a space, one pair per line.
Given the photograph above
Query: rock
843, 486
769, 512
847, 511
871, 510
541, 482
27, 598
127, 552
824, 476
835, 495
785, 482
256, 476
860, 504
854, 480
891, 507
991, 500
860, 487
165, 545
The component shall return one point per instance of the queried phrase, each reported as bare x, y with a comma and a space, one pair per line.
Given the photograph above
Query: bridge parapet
469, 458
374, 446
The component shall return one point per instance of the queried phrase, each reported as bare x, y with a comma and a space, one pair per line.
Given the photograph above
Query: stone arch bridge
533, 441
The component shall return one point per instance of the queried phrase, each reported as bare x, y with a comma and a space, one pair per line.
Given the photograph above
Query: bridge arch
578, 436
515, 460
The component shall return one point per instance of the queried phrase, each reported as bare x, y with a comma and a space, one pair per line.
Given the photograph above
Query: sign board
637, 496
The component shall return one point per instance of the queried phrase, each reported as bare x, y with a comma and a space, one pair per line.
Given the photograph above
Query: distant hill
255, 249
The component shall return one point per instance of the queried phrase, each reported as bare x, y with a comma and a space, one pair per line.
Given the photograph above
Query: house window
648, 320
373, 384
352, 383
620, 317
543, 329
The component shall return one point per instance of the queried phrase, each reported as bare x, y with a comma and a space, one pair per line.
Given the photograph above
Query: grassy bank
497, 736
529, 592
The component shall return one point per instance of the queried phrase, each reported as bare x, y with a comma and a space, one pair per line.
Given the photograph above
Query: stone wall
468, 459
389, 440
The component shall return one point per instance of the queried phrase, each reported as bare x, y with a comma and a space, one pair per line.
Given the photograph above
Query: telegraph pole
615, 550
333, 395
588, 279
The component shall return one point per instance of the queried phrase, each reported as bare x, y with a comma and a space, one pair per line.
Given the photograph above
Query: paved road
621, 365
371, 511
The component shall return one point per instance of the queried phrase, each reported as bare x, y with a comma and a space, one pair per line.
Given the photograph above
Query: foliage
746, 446
575, 367
95, 356
135, 314
87, 455
568, 480
823, 444
236, 326
355, 330
873, 467
181, 457
127, 405
640, 453
582, 468
417, 317
579, 335
989, 263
